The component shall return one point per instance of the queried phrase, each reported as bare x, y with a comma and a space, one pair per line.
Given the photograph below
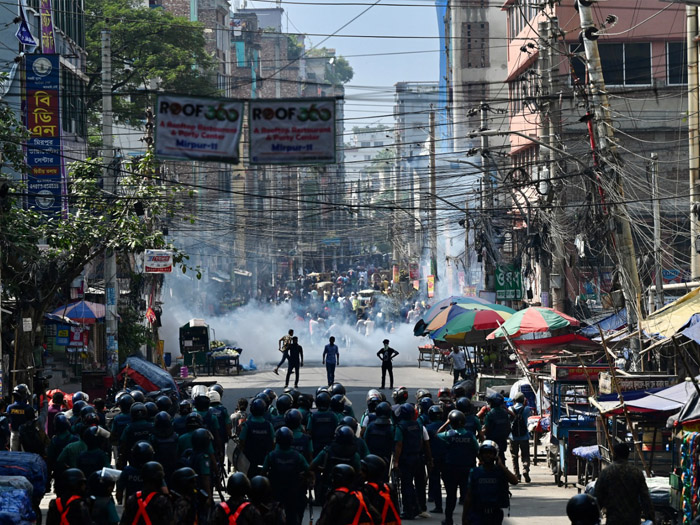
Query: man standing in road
459, 364
283, 345
386, 354
622, 491
296, 359
519, 435
331, 358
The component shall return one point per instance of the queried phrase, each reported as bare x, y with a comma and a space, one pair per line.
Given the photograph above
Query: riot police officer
408, 452
257, 437
380, 433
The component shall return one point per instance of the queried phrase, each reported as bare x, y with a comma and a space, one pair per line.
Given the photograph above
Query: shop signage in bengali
606, 383
45, 182
576, 374
198, 128
48, 39
509, 284
158, 261
292, 131
431, 286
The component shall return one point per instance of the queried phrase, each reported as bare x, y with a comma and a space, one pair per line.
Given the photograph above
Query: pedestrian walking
387, 354
331, 358
519, 436
283, 346
622, 491
459, 364
295, 358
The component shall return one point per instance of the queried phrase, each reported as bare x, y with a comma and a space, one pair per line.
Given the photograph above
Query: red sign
431, 286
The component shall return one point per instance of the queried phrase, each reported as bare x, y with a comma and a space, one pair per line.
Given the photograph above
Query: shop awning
611, 322
668, 399
671, 318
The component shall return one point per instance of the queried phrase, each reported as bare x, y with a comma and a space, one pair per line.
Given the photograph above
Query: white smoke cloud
257, 328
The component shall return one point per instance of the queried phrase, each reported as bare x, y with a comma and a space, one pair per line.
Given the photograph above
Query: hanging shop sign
198, 128
431, 286
48, 37
509, 285
158, 261
45, 181
292, 131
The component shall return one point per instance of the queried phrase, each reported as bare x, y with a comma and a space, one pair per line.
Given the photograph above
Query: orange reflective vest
361, 507
64, 510
385, 493
142, 513
233, 518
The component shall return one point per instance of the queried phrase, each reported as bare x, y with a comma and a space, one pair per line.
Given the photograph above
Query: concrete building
645, 77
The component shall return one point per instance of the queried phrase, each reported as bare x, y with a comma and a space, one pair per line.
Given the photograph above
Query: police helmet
201, 438
372, 403
183, 480
495, 400
284, 403
81, 396
265, 399
138, 411
100, 486
218, 389
198, 390
400, 395
258, 407
406, 412
214, 397
305, 401
152, 472
344, 435
337, 388
78, 406
141, 453
138, 395
323, 401
87, 409
466, 388
162, 421
423, 393
374, 393
424, 404
342, 475
193, 421
322, 389
292, 418
202, 403
349, 421
118, 396
125, 401
238, 485
185, 407
270, 394
260, 490
294, 393
374, 468
72, 480
164, 404
284, 437
487, 446
456, 419
60, 423
91, 437
91, 419
519, 398
435, 413
464, 405
383, 409
444, 393
337, 403
582, 509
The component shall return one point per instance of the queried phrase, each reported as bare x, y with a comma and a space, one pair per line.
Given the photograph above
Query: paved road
540, 502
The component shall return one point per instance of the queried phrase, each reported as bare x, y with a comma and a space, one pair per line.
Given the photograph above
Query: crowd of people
164, 462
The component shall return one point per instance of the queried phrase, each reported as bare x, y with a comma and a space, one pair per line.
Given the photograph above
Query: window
365, 144
677, 63
475, 51
627, 64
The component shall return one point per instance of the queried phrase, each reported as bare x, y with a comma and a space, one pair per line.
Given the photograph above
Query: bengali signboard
292, 131
42, 118
509, 284
431, 286
631, 383
198, 128
158, 261
48, 39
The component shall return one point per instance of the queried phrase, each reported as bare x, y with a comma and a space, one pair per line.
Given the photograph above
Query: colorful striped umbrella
470, 326
442, 308
83, 312
531, 320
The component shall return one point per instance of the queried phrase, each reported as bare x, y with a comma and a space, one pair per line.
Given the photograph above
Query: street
540, 502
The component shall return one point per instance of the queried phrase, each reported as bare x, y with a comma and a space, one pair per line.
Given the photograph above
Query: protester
386, 354
519, 436
331, 358
459, 363
284, 343
295, 357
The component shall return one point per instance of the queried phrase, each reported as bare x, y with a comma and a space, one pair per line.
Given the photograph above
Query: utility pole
433, 201
545, 263
110, 187
658, 266
487, 198
693, 145
623, 242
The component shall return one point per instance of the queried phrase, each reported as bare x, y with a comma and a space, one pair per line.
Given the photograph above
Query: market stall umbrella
440, 313
469, 326
84, 312
532, 320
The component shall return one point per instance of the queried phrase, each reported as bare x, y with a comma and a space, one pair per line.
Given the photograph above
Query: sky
369, 95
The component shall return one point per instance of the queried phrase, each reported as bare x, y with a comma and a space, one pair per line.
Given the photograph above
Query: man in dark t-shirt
295, 359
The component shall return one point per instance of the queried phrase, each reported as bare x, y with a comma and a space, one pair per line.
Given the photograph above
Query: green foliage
147, 44
295, 46
133, 334
339, 71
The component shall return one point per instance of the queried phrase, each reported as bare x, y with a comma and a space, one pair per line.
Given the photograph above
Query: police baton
396, 481
311, 509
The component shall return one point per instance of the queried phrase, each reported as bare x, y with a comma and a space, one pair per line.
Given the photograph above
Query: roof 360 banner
281, 131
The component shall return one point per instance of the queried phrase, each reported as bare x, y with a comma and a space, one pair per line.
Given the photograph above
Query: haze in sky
378, 63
